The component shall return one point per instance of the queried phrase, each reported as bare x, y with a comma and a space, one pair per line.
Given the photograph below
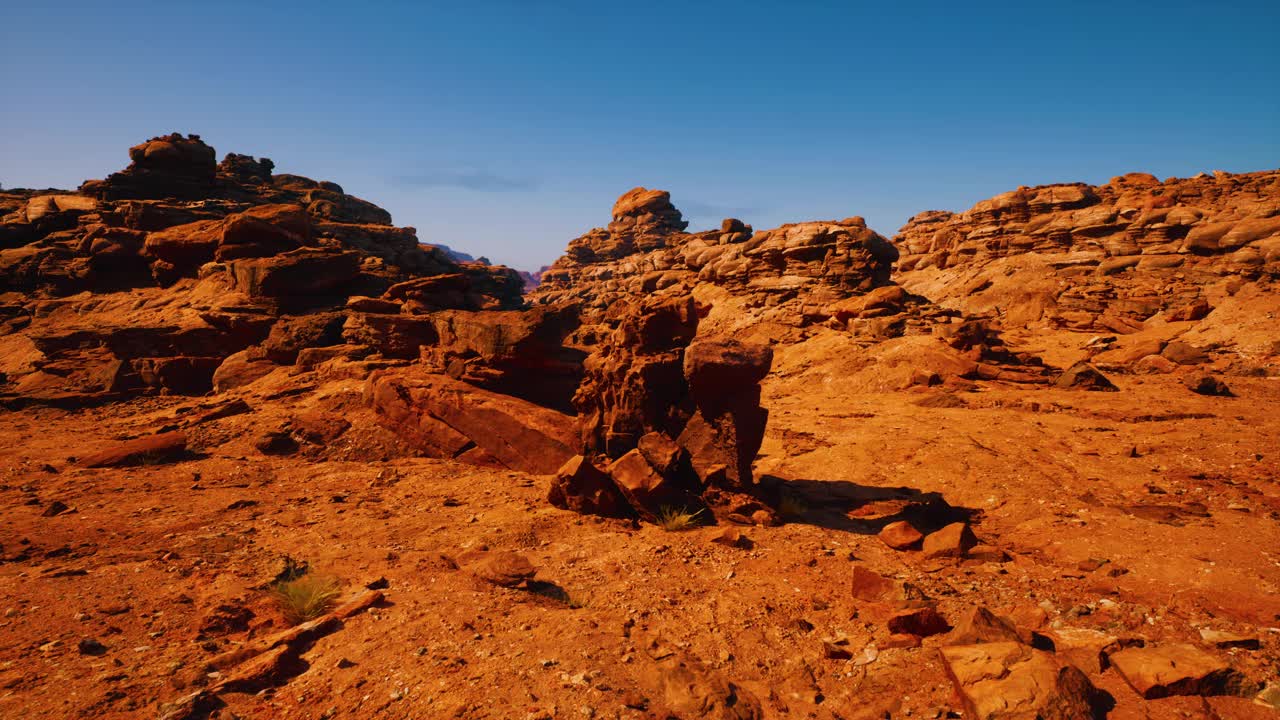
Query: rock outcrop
792, 274
1109, 258
150, 279
673, 419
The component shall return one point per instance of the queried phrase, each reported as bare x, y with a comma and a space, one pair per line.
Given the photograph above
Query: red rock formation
792, 273
1103, 259
191, 262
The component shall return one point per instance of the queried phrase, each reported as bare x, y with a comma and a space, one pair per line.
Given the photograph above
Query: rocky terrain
1015, 462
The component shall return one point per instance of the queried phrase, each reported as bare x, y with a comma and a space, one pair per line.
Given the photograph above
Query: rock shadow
863, 509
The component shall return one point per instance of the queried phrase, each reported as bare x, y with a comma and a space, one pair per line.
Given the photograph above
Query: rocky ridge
1134, 257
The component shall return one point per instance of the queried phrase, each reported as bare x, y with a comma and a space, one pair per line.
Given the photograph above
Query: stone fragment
1175, 669
162, 448
832, 651
647, 490
582, 487
1208, 385
731, 537
900, 535
503, 568
1006, 680
980, 625
954, 540
922, 621
692, 690
1083, 376
443, 417
1085, 648
91, 646
900, 641
870, 586
1223, 639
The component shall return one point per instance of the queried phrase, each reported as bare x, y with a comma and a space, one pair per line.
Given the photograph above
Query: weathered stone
1208, 385
922, 621
503, 568
900, 535
691, 690
1006, 680
980, 625
582, 487
1223, 639
1083, 376
165, 447
954, 540
1176, 669
445, 418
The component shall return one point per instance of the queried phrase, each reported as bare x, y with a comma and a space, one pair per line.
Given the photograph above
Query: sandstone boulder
1161, 671
1006, 680
152, 449
446, 418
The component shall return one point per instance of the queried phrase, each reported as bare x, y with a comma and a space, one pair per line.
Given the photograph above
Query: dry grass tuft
305, 597
675, 519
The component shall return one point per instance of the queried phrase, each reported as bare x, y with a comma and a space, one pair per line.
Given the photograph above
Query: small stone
1085, 648
1222, 639
90, 646
987, 554
870, 586
503, 568
344, 663
980, 625
1091, 564
55, 508
1269, 696
832, 651
900, 535
954, 540
924, 621
901, 640
730, 537
1208, 385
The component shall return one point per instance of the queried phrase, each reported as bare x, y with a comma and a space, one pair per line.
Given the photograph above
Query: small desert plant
792, 506
677, 519
305, 597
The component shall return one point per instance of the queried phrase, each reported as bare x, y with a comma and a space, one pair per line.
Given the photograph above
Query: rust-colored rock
954, 540
1175, 669
582, 487
1010, 680
921, 621
153, 449
446, 418
900, 535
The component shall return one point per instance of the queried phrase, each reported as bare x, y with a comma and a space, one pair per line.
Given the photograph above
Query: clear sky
507, 128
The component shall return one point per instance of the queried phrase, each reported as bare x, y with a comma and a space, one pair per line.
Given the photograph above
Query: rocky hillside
805, 471
1190, 263
149, 280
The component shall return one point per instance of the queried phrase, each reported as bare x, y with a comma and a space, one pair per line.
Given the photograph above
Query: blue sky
507, 128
